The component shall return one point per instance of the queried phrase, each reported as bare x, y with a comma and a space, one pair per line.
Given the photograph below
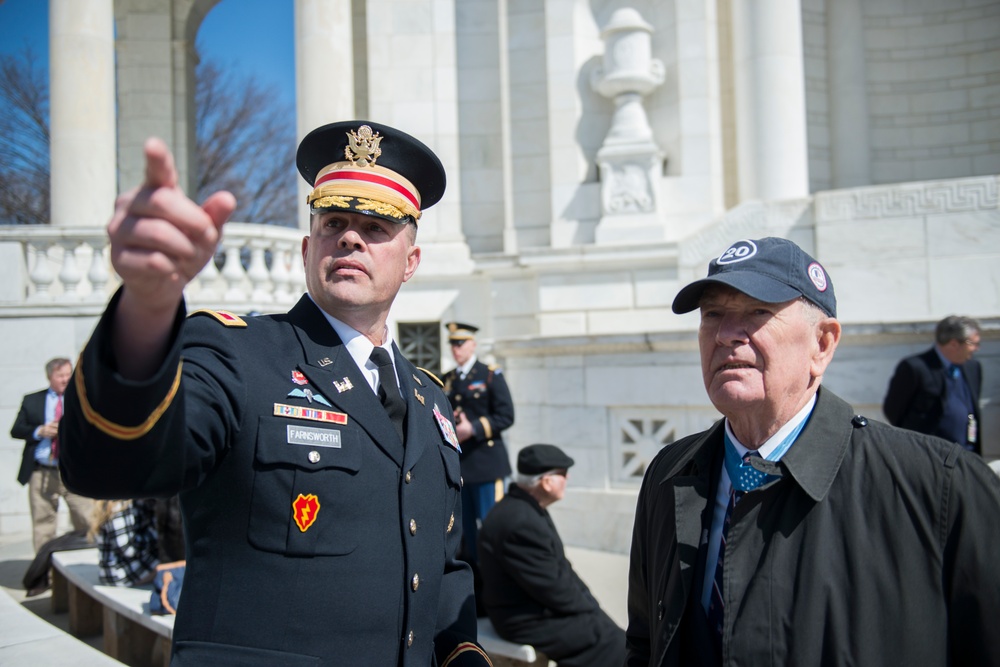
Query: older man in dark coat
795, 532
530, 591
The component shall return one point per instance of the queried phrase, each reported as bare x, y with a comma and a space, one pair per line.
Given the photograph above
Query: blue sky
253, 36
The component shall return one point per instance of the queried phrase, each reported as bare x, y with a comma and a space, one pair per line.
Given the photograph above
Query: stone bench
134, 636
508, 654
131, 634
26, 639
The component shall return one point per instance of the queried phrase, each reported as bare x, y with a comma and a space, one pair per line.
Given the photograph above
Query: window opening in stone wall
420, 342
637, 436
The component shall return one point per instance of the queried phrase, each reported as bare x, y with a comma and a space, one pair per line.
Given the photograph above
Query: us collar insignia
310, 396
363, 147
304, 511
343, 385
299, 378
418, 380
325, 361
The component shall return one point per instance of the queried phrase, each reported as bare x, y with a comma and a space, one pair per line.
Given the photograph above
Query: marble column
324, 71
82, 111
850, 156
772, 151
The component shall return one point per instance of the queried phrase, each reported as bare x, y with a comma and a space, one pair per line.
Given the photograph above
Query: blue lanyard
745, 477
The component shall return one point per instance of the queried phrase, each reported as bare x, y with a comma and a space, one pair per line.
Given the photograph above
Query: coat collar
815, 458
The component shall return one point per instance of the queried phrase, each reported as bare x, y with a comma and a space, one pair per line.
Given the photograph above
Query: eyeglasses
971, 342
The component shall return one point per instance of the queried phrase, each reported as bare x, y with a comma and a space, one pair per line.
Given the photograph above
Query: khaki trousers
44, 490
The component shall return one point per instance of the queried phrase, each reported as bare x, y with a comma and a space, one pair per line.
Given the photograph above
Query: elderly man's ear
827, 338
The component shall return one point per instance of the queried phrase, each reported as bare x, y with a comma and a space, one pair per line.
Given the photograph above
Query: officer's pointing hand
161, 239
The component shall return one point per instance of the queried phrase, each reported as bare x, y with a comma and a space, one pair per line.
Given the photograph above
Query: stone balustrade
257, 267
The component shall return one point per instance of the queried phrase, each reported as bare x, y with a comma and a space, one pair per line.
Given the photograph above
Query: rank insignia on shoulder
496, 370
447, 430
304, 511
436, 379
224, 316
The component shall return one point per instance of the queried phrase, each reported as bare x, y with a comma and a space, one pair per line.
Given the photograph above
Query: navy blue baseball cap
772, 270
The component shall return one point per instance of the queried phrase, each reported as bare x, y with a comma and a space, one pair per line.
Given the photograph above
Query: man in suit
937, 392
37, 423
530, 591
483, 410
794, 531
317, 468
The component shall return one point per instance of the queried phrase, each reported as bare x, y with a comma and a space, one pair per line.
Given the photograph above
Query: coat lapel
692, 491
331, 369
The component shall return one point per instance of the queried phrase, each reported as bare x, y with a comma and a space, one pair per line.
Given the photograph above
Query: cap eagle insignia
363, 147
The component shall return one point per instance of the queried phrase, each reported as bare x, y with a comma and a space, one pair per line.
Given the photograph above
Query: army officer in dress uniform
483, 409
318, 469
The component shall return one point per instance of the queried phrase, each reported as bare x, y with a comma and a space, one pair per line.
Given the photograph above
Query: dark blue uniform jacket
313, 536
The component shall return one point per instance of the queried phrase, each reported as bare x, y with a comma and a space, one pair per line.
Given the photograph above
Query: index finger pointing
160, 169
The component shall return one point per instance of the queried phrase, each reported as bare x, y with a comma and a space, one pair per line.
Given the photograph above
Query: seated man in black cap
483, 409
530, 591
317, 468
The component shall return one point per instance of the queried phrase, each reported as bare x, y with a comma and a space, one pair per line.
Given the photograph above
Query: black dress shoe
37, 590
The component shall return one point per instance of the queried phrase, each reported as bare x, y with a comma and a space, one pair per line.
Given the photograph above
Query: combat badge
447, 430
304, 511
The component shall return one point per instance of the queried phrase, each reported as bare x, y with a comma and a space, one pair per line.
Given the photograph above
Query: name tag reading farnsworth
314, 437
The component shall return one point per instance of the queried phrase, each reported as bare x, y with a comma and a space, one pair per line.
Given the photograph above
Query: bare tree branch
245, 142
24, 140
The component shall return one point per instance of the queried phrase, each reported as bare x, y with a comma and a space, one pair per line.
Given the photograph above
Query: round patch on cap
738, 252
818, 276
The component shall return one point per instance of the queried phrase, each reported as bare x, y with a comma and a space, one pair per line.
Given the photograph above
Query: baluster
233, 272
207, 281
296, 275
98, 274
41, 273
69, 275
257, 272
279, 271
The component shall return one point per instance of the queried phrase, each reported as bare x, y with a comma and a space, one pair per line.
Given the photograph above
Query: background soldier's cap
771, 270
459, 331
538, 459
369, 168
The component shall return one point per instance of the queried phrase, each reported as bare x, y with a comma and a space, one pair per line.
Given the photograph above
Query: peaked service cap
370, 168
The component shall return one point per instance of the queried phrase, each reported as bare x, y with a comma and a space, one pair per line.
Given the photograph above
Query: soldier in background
483, 410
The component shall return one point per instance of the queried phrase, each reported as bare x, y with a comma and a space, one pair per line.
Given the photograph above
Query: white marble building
599, 152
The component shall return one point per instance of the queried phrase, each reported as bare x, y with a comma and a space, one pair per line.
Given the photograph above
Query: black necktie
388, 390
